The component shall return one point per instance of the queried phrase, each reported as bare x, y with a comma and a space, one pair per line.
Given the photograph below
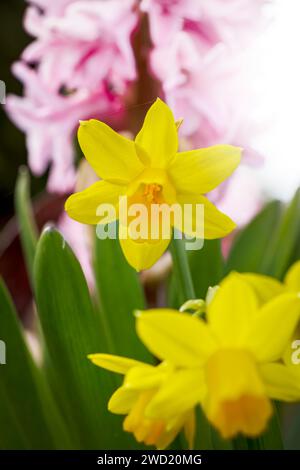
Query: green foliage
61, 403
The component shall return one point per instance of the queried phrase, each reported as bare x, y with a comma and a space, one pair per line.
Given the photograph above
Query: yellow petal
158, 136
292, 278
213, 225
176, 337
180, 393
236, 400
122, 401
265, 287
168, 437
200, 171
141, 254
83, 206
144, 377
281, 382
273, 326
118, 364
231, 310
112, 156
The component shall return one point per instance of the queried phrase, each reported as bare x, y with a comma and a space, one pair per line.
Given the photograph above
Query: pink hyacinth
50, 120
213, 20
89, 43
83, 62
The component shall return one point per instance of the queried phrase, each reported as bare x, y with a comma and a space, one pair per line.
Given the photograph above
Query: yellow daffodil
150, 171
133, 398
229, 363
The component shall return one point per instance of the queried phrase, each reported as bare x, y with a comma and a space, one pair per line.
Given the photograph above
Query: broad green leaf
120, 293
27, 228
29, 418
72, 330
203, 435
272, 438
252, 244
283, 245
207, 266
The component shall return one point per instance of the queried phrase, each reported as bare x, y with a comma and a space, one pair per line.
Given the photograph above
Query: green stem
182, 269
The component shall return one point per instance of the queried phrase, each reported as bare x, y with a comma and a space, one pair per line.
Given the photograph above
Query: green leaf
27, 226
72, 330
29, 418
283, 245
291, 425
120, 293
207, 266
252, 244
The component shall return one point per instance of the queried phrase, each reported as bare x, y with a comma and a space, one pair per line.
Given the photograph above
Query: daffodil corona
150, 172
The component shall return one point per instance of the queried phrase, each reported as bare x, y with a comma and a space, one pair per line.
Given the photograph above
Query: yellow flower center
152, 193
236, 399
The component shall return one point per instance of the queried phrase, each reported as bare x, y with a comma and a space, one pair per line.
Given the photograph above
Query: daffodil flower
230, 363
150, 171
141, 383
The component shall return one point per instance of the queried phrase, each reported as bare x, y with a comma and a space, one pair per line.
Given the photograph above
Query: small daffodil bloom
229, 363
133, 398
150, 171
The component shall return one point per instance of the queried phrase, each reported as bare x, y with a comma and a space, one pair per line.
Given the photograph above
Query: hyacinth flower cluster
81, 64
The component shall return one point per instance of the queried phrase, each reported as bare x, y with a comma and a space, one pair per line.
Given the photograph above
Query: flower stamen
152, 192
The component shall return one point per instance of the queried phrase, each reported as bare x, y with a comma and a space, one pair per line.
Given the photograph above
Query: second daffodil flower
230, 363
150, 171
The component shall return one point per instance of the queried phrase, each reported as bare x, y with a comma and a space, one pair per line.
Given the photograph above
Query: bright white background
278, 78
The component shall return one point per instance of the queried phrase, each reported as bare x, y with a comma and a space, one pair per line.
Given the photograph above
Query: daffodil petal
213, 224
122, 400
265, 287
281, 382
141, 255
158, 136
144, 377
118, 364
84, 206
181, 392
273, 326
292, 278
200, 171
112, 156
176, 337
231, 310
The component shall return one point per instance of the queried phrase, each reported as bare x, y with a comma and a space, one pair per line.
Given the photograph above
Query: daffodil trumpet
150, 171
